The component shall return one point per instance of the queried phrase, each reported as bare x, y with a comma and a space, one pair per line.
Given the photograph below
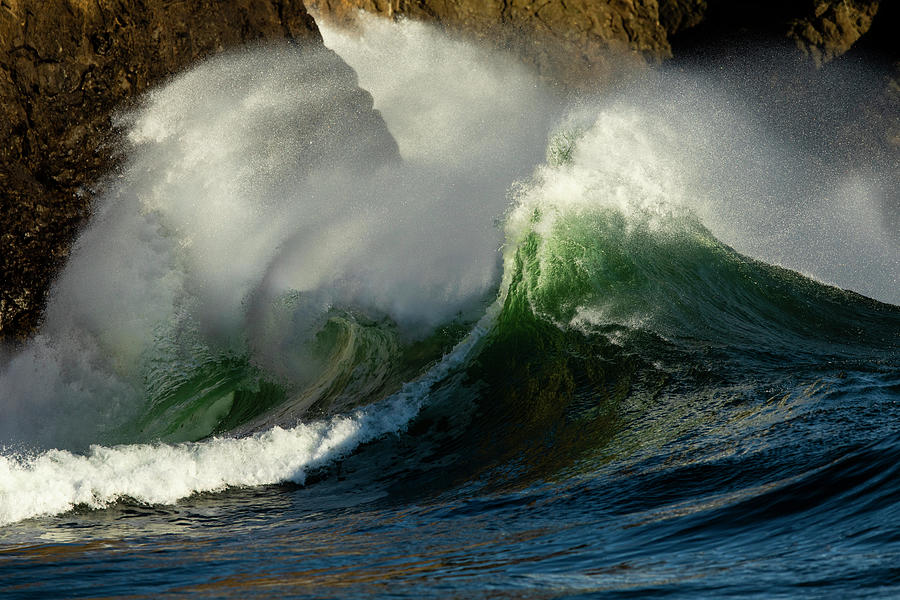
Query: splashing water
282, 287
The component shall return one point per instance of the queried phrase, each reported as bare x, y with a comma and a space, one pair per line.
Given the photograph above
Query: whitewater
641, 331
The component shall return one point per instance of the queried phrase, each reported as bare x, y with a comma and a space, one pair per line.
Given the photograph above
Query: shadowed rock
65, 66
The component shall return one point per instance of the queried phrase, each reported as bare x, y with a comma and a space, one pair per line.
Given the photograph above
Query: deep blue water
751, 499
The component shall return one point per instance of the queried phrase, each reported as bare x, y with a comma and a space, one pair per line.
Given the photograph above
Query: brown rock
832, 27
64, 66
578, 43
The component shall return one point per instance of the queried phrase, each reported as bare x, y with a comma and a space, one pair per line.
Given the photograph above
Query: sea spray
608, 233
250, 179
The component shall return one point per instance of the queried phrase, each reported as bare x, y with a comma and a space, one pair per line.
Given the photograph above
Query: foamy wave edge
56, 481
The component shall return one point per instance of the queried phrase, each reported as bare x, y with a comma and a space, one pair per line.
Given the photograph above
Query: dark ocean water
260, 382
806, 507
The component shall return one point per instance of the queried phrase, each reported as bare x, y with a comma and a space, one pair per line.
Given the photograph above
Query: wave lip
607, 234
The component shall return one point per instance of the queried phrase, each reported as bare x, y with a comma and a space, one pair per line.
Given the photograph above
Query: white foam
622, 159
56, 481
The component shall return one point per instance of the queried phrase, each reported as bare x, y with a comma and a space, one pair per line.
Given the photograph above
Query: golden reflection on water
332, 556
442, 559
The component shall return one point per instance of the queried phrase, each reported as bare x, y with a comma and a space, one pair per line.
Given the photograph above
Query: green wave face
353, 360
617, 301
587, 249
603, 267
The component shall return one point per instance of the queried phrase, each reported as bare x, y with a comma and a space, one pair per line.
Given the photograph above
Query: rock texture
583, 42
832, 27
64, 66
574, 42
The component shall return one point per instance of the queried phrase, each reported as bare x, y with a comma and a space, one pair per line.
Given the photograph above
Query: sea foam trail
57, 481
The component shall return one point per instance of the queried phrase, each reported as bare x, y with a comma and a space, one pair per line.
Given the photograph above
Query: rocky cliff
583, 42
64, 67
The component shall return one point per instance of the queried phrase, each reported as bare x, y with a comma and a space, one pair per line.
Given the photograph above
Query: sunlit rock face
803, 61
583, 42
